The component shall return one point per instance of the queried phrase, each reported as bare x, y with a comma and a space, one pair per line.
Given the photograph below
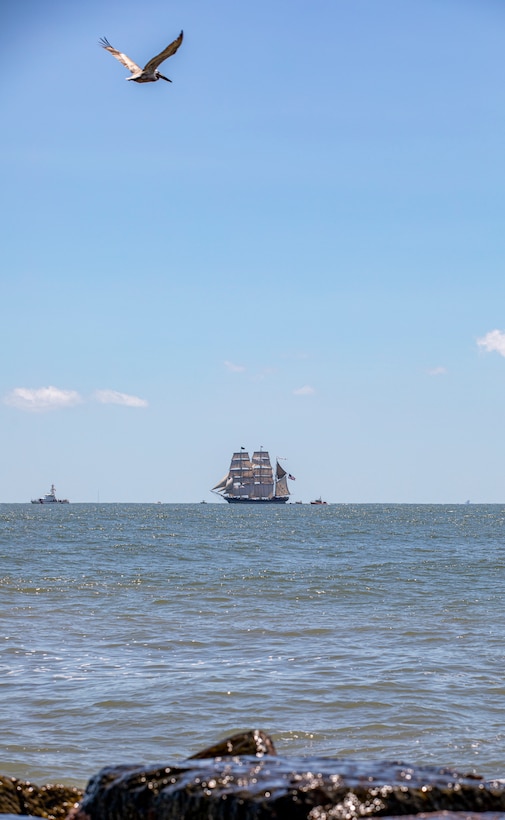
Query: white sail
281, 484
263, 475
240, 475
240, 465
221, 484
262, 467
279, 470
281, 487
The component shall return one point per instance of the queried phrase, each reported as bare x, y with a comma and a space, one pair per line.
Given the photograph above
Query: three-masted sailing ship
252, 480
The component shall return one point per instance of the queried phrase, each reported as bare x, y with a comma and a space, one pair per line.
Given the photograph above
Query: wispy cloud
306, 390
437, 371
114, 397
493, 341
263, 374
234, 368
39, 399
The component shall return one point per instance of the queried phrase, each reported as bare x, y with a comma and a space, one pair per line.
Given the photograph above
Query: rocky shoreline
242, 778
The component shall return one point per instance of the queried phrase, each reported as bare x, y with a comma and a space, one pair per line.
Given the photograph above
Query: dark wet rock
453, 815
20, 797
226, 783
245, 743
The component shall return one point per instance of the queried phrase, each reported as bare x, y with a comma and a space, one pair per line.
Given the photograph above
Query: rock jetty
242, 778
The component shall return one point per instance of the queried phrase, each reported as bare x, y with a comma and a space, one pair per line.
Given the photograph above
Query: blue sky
298, 244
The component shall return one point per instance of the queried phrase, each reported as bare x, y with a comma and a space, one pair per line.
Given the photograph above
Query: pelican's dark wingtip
104, 42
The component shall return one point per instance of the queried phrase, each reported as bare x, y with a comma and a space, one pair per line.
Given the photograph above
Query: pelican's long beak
164, 78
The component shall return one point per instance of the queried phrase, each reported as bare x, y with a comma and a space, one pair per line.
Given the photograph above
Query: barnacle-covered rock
20, 797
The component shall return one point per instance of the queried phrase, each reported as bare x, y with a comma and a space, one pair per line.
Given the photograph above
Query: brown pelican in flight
150, 73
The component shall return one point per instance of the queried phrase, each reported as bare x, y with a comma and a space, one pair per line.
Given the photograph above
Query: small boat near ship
252, 480
50, 498
319, 502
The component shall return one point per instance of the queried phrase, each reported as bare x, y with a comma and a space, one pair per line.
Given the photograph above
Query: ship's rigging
252, 480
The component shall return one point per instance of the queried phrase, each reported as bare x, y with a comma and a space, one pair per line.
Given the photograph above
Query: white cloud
306, 390
39, 399
494, 340
437, 371
114, 397
234, 368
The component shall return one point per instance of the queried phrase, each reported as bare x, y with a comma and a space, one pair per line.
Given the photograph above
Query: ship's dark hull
238, 500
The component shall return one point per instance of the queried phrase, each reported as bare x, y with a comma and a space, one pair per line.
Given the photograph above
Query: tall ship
252, 480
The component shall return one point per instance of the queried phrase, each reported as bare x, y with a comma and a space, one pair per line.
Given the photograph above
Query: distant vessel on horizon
252, 481
50, 498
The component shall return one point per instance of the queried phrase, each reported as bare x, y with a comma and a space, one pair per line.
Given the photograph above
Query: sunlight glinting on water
140, 633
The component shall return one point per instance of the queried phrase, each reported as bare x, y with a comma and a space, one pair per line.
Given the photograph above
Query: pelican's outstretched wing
129, 64
153, 64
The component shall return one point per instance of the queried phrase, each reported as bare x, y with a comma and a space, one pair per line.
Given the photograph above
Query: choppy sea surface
143, 633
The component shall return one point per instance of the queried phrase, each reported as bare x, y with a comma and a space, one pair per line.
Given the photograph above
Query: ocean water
143, 633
